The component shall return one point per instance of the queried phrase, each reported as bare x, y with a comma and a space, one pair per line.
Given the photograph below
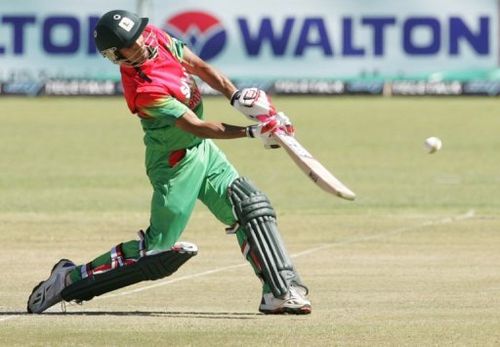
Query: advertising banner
261, 39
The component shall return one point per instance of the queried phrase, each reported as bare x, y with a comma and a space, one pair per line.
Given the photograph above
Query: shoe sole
289, 310
39, 284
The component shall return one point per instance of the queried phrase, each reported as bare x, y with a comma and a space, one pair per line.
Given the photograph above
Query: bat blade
312, 167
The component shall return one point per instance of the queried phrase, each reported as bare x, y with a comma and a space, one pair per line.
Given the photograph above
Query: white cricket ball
433, 144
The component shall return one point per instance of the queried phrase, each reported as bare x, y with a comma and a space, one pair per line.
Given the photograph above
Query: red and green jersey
160, 91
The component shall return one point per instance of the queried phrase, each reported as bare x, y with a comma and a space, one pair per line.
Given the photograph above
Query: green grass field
415, 260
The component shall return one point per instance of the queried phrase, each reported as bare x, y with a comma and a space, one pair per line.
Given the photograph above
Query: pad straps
142, 243
117, 260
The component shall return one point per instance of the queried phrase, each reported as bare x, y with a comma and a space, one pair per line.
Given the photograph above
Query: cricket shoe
48, 293
293, 303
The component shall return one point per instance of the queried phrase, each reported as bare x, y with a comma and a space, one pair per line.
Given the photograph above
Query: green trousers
204, 173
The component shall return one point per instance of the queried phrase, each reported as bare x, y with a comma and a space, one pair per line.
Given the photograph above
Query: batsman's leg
263, 247
154, 256
215, 194
120, 271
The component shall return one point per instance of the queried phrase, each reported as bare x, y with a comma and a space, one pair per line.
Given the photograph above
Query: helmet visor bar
137, 58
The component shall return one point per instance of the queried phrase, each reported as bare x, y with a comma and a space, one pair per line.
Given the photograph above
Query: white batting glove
253, 103
264, 131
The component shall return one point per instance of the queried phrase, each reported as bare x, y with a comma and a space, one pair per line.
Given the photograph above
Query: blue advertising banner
266, 40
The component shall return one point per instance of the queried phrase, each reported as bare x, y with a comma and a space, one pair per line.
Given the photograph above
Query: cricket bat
312, 167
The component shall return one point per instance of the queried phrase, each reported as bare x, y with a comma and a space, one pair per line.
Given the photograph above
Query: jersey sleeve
160, 107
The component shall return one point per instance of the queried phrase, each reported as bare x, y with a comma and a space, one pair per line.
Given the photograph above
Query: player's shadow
166, 314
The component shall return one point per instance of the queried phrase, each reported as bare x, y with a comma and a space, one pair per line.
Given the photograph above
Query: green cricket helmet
115, 30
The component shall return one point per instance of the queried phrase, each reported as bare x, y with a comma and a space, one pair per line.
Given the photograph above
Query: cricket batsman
183, 164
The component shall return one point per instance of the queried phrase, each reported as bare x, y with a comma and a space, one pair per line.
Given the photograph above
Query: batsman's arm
215, 79
190, 123
252, 102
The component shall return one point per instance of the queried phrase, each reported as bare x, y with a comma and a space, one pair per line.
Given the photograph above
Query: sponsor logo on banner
80, 87
490, 88
418, 36
296, 35
365, 87
448, 36
22, 88
203, 32
306, 86
426, 88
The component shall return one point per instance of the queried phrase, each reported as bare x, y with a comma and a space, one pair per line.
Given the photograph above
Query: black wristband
236, 95
249, 131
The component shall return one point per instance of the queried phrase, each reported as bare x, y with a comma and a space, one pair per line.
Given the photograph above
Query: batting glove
253, 103
264, 131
